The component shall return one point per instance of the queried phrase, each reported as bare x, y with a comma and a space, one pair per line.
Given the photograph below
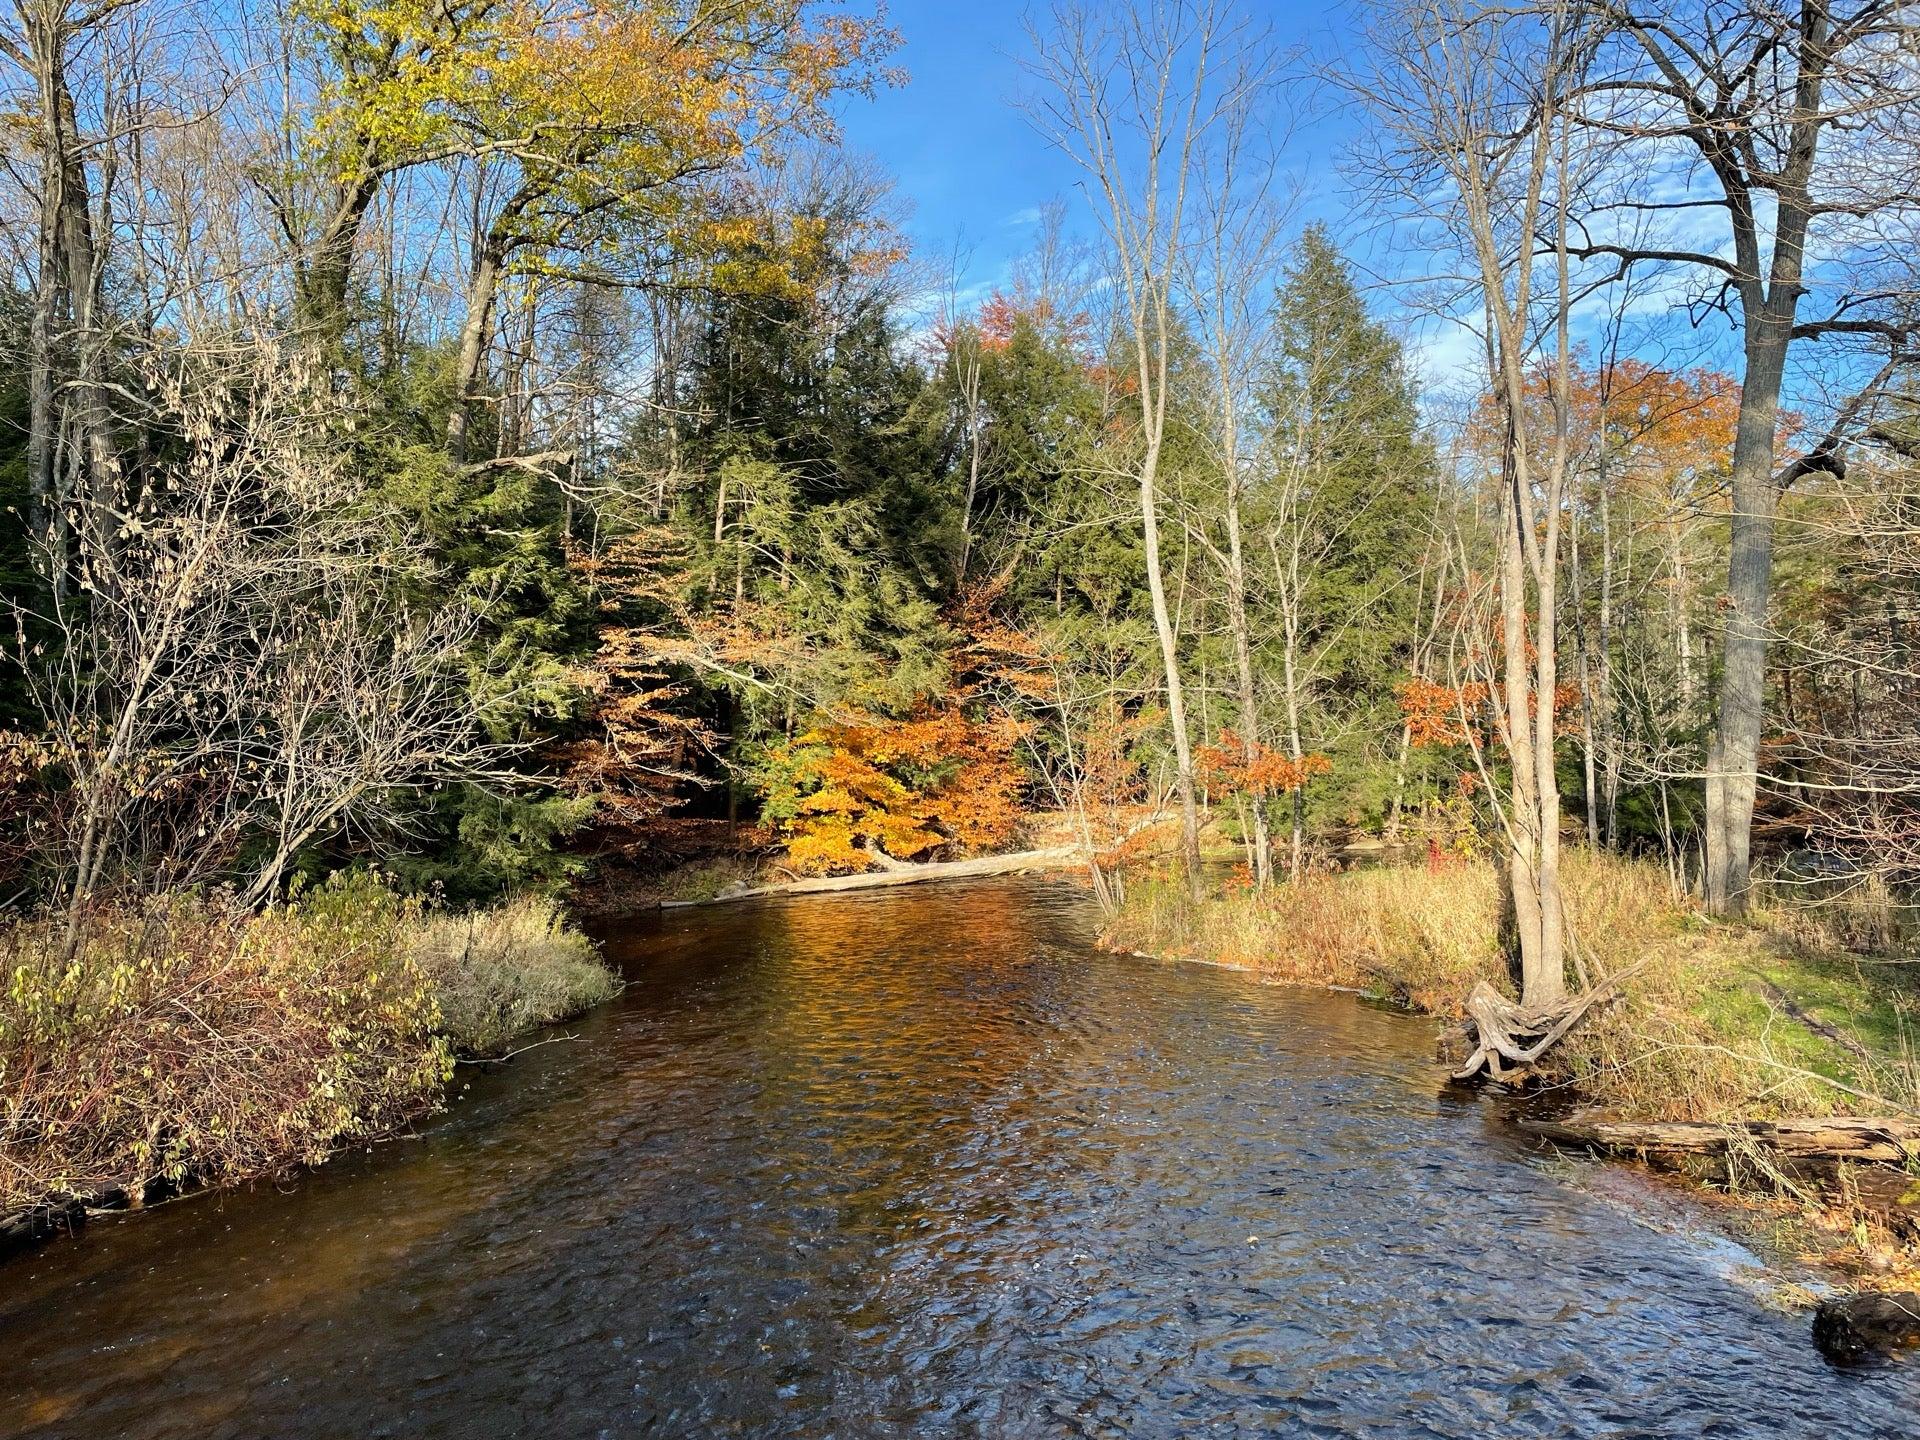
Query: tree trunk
1533, 858
1297, 840
1249, 695
481, 290
46, 516
1769, 306
67, 293
1170, 664
322, 279
1584, 662
1603, 698
971, 384
1733, 760
1399, 800
1683, 620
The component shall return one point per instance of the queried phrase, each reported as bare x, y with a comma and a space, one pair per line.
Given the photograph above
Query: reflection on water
920, 1163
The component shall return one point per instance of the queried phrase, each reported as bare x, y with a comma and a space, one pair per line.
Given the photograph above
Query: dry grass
1423, 937
1740, 1021
501, 972
1859, 914
1716, 1022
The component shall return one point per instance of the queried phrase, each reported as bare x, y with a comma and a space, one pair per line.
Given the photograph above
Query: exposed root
1509, 1038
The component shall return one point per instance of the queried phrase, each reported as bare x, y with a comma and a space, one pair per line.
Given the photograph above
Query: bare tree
70, 450
1131, 92
237, 672
1472, 102
1848, 738
962, 355
1227, 275
1803, 115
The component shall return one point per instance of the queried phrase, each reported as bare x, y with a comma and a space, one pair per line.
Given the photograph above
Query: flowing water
922, 1163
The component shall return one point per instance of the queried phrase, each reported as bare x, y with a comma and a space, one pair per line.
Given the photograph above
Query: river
922, 1163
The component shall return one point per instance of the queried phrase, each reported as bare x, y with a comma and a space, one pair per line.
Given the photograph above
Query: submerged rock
1853, 1327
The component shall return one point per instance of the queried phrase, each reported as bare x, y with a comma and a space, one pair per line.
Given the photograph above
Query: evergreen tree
1348, 503
492, 537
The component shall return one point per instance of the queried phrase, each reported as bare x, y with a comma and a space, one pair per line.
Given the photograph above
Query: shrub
499, 972
186, 1040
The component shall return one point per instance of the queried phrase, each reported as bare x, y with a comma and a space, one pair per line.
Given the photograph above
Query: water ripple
923, 1164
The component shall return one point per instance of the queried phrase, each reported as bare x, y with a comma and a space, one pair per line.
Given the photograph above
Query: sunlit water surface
923, 1163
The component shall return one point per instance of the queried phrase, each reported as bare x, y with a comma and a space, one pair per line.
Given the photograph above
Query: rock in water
1853, 1327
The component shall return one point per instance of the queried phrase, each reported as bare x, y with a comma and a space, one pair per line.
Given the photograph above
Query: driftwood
1507, 1038
1853, 1327
1842, 1137
1061, 857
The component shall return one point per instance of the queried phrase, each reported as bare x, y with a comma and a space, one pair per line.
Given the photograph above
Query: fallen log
1058, 858
1776, 996
1850, 1328
1885, 1141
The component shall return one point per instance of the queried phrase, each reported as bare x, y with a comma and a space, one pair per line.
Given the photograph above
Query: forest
466, 462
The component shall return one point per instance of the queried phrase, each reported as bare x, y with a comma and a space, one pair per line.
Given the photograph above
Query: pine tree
1346, 507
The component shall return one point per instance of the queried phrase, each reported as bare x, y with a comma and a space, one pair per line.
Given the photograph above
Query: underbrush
1708, 1021
501, 972
710, 879
1422, 937
183, 1041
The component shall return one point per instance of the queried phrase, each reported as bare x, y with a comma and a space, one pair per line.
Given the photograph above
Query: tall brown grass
1423, 937
498, 973
1704, 1021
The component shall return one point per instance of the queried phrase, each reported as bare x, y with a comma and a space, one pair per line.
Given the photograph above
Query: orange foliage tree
1256, 771
865, 791
868, 791
1634, 420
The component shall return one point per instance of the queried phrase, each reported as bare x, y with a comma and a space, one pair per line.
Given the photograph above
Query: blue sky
973, 171
966, 158
953, 136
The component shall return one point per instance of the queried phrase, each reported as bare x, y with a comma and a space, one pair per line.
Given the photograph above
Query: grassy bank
1720, 1022
1800, 1013
182, 1041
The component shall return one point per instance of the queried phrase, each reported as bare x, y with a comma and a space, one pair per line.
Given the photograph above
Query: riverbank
699, 862
181, 1042
691, 861
979, 867
1712, 1022
926, 1148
